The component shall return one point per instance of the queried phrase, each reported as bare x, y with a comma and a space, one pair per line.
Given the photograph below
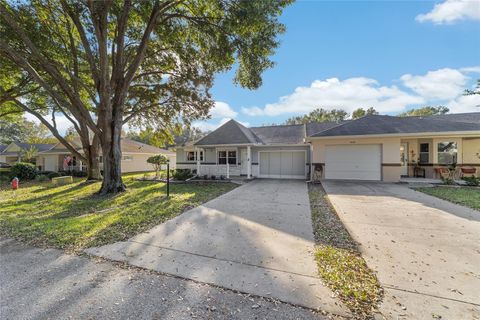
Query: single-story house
56, 157
374, 147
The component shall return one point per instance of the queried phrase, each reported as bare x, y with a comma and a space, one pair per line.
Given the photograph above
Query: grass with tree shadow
339, 261
73, 217
465, 196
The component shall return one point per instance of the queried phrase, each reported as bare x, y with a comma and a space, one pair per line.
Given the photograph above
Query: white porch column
81, 165
197, 157
249, 162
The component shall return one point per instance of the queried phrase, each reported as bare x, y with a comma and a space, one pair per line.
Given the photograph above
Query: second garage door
282, 164
355, 162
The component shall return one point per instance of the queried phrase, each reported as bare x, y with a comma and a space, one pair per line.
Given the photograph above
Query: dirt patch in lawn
340, 263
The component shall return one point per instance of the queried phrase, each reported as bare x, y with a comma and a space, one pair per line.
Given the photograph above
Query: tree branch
53, 129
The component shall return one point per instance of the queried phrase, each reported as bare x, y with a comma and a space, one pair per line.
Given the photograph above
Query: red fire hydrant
15, 183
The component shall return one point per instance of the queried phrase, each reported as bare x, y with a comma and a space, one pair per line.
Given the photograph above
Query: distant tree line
338, 115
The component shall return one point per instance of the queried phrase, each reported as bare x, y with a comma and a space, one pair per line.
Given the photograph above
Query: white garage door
356, 162
282, 164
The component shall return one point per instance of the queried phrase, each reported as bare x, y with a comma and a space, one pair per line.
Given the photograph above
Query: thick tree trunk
93, 163
112, 158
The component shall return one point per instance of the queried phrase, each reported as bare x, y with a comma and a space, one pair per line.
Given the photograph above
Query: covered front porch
440, 157
284, 162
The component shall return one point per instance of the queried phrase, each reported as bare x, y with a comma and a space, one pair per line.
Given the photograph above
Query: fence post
168, 178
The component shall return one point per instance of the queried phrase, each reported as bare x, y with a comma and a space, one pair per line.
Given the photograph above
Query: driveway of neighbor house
426, 251
255, 239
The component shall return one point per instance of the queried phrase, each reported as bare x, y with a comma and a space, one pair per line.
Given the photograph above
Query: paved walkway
426, 251
256, 239
49, 284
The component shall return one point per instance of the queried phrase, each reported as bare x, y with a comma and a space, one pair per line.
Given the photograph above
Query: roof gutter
415, 134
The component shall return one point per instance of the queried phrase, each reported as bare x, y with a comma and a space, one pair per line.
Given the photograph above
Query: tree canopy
20, 129
162, 138
360, 112
102, 64
319, 115
425, 111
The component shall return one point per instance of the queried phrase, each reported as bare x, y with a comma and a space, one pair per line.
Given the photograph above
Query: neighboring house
13, 152
56, 157
373, 147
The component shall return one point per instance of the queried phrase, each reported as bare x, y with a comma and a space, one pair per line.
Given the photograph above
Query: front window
227, 156
447, 152
191, 156
424, 153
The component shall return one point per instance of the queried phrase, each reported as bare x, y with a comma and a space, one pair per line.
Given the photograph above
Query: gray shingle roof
287, 134
39, 146
231, 132
378, 124
472, 117
316, 127
133, 146
2, 147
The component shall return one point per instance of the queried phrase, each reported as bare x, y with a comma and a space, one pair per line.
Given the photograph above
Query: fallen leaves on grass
345, 272
340, 264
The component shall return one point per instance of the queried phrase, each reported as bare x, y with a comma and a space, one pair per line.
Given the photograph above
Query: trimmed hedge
23, 171
182, 174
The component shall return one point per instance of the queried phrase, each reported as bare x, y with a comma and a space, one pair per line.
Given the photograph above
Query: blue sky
391, 55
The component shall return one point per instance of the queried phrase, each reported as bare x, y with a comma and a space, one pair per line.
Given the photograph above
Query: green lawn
467, 196
73, 217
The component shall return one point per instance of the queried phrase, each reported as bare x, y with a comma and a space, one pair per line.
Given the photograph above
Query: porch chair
468, 171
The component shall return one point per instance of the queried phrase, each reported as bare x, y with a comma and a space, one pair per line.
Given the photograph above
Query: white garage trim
353, 162
283, 176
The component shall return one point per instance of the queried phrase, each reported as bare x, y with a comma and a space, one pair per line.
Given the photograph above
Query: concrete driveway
426, 251
256, 239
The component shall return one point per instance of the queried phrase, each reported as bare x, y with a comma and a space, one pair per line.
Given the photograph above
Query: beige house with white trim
51, 157
374, 147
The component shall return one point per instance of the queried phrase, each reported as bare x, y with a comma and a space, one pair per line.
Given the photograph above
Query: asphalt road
49, 284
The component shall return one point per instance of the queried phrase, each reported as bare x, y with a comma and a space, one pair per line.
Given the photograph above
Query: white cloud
465, 104
220, 114
450, 11
253, 111
470, 69
441, 84
210, 126
347, 94
439, 87
222, 110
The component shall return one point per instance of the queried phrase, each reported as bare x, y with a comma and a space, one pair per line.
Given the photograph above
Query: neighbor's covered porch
437, 157
59, 162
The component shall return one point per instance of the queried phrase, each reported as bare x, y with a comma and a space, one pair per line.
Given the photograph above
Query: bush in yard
41, 178
23, 171
182, 174
157, 162
472, 181
52, 175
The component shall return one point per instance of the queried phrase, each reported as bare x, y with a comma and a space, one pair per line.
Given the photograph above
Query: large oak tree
106, 63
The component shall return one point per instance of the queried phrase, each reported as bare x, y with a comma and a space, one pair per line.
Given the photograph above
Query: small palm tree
28, 155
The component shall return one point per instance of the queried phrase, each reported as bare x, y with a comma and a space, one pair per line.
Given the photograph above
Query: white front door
404, 159
243, 162
353, 162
